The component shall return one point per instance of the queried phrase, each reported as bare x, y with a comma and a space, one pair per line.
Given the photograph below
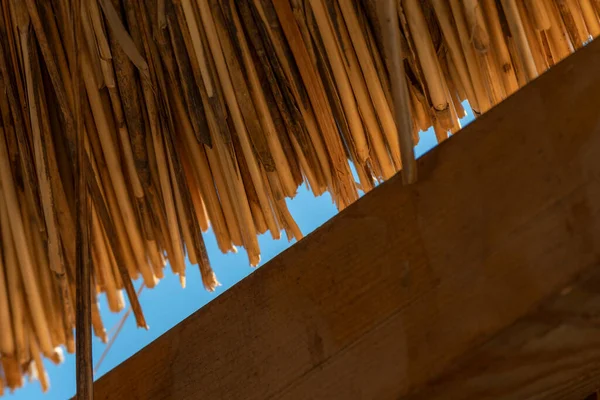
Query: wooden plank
408, 282
553, 353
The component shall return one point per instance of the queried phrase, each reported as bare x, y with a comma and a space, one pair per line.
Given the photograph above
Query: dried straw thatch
198, 113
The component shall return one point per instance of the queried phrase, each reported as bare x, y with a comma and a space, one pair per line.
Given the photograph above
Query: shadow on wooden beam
477, 282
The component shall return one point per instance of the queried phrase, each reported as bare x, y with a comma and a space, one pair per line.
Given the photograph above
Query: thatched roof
203, 113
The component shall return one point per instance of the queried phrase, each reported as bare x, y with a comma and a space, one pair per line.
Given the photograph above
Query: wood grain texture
550, 354
400, 291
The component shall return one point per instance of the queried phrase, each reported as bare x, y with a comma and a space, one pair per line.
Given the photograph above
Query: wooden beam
553, 353
423, 288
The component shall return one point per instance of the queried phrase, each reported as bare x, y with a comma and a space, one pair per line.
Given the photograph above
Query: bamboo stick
103, 266
96, 321
47, 284
55, 43
298, 115
560, 43
181, 189
264, 114
12, 372
100, 34
359, 87
341, 79
198, 158
572, 23
122, 37
125, 142
102, 46
477, 25
187, 76
158, 263
518, 31
490, 71
387, 14
500, 48
539, 13
197, 43
192, 180
591, 18
447, 25
84, 290
282, 106
116, 174
320, 59
226, 162
420, 109
550, 61
13, 281
53, 70
184, 227
374, 85
9, 12
228, 201
441, 134
454, 76
284, 218
376, 52
129, 98
7, 338
451, 94
34, 300
57, 197
90, 39
257, 216
483, 99
427, 56
176, 256
45, 182
215, 43
100, 172
533, 38
22, 149
222, 161
41, 373
575, 9
114, 268
343, 183
117, 246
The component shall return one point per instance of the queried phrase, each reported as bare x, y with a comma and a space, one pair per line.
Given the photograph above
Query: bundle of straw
199, 113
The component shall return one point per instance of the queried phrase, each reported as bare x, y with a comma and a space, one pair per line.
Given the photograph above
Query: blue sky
168, 304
